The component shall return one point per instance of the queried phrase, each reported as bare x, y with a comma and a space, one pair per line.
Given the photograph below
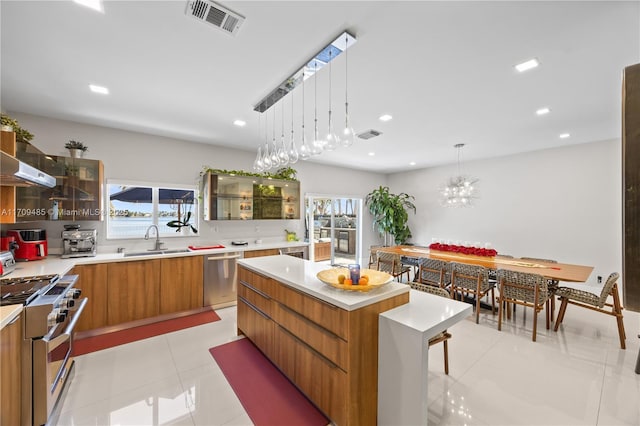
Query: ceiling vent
216, 15
368, 134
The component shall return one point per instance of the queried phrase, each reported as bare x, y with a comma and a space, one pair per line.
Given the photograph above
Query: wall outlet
599, 279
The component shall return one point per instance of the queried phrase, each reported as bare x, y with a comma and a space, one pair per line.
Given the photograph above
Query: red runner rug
120, 337
269, 398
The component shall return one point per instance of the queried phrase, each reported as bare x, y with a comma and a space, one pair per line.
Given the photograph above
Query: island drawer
326, 343
259, 282
331, 317
256, 326
255, 297
322, 381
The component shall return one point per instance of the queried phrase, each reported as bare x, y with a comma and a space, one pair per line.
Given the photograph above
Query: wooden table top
556, 271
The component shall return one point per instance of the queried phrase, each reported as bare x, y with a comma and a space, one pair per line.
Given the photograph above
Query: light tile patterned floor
578, 376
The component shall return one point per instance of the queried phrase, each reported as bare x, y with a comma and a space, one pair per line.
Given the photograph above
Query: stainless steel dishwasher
220, 279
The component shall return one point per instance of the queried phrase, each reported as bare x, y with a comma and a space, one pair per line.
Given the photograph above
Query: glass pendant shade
348, 134
305, 151
331, 139
293, 152
283, 154
257, 164
266, 157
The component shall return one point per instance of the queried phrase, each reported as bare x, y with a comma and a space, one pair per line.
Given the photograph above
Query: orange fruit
347, 281
341, 278
363, 281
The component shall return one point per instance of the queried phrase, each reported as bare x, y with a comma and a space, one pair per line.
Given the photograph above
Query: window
133, 207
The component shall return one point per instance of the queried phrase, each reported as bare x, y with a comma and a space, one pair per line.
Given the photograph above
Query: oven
52, 307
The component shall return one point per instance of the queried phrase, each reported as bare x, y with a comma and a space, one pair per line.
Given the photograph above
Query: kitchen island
323, 339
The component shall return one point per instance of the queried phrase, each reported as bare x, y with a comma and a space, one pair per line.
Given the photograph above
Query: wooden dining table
555, 271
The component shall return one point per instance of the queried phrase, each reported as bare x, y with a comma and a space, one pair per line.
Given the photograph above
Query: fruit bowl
376, 279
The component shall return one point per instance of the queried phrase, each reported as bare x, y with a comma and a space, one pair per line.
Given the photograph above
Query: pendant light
275, 160
257, 164
305, 152
293, 152
318, 143
348, 134
459, 191
283, 155
331, 140
266, 157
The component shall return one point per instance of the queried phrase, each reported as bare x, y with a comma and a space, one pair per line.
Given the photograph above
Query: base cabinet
133, 291
10, 373
329, 353
181, 284
92, 280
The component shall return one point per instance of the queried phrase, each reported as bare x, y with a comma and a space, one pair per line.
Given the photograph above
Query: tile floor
576, 376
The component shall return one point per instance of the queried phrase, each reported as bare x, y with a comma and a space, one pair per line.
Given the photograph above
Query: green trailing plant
22, 135
76, 145
390, 214
285, 173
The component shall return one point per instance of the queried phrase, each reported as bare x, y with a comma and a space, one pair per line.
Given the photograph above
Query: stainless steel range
52, 307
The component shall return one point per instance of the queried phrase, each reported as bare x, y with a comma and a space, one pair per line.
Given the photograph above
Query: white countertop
428, 314
8, 313
54, 264
301, 274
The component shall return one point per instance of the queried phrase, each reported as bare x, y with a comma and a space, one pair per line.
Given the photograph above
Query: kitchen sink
154, 252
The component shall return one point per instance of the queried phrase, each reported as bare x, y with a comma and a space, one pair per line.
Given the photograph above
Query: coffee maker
79, 242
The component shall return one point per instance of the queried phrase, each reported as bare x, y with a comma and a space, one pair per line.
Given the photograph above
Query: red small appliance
32, 243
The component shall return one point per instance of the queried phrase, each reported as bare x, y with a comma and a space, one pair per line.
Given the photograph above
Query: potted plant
11, 125
76, 149
390, 213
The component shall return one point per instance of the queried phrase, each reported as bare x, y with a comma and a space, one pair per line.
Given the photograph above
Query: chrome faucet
159, 243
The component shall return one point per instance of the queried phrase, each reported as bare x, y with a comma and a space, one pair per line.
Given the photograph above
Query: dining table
553, 271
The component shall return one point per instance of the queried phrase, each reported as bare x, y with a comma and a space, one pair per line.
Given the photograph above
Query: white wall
562, 204
143, 157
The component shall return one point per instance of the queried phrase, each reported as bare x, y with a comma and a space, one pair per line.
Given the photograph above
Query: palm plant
390, 213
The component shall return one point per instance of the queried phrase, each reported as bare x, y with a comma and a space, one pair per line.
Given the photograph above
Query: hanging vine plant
284, 173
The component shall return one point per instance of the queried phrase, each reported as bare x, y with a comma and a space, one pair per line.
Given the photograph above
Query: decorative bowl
376, 279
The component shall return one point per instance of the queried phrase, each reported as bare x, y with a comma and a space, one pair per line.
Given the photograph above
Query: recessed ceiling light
371, 154
413, 163
543, 111
91, 4
240, 123
565, 135
527, 65
385, 117
99, 89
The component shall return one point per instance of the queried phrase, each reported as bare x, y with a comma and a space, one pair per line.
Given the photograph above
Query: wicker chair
472, 279
521, 288
552, 284
433, 272
373, 256
391, 264
440, 337
594, 302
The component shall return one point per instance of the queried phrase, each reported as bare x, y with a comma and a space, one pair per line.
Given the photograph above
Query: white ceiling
443, 70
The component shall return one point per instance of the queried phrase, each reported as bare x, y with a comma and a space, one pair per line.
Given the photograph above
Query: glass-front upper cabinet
229, 197
76, 196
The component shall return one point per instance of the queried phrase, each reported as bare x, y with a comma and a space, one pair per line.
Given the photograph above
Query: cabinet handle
261, 293
258, 311
309, 348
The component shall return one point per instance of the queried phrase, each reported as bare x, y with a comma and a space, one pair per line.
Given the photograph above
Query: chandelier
459, 191
276, 155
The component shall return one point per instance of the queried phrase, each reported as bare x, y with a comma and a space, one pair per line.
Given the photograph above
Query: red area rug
120, 337
269, 398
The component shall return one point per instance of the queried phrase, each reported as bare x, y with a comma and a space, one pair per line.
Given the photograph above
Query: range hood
14, 172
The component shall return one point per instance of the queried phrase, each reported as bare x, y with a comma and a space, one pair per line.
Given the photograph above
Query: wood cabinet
8, 193
133, 290
322, 251
259, 253
11, 372
329, 353
92, 280
181, 283
231, 197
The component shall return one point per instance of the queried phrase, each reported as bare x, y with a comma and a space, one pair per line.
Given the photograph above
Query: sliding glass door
333, 228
